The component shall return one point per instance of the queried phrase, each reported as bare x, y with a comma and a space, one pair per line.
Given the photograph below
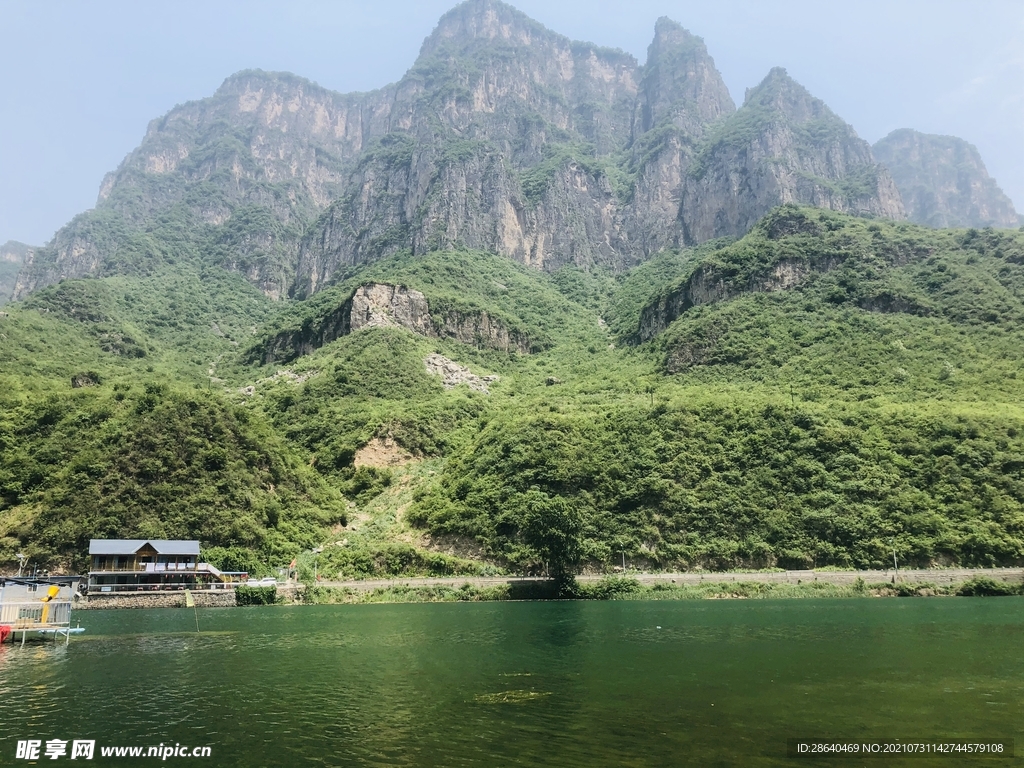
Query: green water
531, 684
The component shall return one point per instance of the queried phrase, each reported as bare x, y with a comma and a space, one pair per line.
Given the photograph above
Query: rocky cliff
944, 182
234, 178
501, 140
377, 305
782, 146
504, 136
13, 256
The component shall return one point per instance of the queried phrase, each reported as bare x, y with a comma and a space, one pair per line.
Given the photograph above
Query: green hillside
847, 386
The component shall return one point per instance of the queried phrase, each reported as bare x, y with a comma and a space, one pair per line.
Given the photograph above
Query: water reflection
545, 684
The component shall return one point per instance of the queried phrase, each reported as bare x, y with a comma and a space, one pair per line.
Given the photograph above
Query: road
938, 576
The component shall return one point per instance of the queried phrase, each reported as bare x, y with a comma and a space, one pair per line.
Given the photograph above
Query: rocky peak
782, 146
485, 59
476, 21
780, 91
944, 182
781, 95
504, 137
680, 82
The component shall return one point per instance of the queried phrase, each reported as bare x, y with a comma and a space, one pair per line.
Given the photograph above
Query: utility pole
316, 557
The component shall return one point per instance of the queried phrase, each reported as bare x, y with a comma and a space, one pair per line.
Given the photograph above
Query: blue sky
80, 81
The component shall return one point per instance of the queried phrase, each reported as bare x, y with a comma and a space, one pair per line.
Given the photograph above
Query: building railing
149, 568
23, 615
101, 589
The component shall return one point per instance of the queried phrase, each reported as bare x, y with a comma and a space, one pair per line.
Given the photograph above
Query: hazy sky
80, 81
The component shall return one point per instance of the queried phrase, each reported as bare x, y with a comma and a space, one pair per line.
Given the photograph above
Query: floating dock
37, 608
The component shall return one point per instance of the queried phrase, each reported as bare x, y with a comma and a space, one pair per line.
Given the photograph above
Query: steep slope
681, 95
151, 462
233, 179
944, 182
838, 384
878, 267
783, 145
504, 136
500, 140
13, 256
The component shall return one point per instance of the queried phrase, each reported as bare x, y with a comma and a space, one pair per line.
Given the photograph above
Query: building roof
131, 546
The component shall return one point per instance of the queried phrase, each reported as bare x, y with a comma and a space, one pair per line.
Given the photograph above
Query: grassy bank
618, 588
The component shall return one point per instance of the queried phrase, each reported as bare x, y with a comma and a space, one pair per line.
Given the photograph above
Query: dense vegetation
869, 403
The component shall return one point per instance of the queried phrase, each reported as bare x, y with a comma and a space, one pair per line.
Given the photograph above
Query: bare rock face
500, 139
380, 305
80, 380
453, 374
243, 172
680, 85
13, 257
944, 182
782, 146
503, 137
681, 95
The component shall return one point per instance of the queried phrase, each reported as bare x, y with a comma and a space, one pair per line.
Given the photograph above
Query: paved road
933, 575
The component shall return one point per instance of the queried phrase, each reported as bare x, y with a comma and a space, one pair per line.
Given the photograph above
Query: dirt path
933, 576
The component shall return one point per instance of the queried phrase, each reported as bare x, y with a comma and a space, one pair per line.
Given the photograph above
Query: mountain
504, 136
534, 298
231, 180
13, 256
782, 146
944, 182
797, 397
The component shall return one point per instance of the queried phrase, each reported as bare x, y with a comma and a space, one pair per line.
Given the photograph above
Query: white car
267, 581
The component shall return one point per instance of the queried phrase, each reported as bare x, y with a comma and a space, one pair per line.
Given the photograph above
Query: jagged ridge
504, 136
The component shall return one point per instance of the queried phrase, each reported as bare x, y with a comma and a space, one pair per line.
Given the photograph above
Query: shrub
985, 586
256, 595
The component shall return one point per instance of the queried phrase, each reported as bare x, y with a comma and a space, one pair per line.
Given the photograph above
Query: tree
553, 527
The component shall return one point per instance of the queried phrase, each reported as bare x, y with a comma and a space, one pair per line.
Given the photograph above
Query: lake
713, 682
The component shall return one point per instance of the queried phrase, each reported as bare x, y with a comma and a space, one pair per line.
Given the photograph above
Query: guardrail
22, 615
104, 589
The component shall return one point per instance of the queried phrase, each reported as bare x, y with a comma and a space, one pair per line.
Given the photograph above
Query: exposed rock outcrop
500, 140
453, 374
723, 278
256, 162
782, 146
944, 182
376, 305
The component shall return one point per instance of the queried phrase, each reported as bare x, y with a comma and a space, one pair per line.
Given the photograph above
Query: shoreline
628, 588
938, 576
641, 586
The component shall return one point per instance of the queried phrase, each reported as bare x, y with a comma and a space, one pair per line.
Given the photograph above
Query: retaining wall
222, 599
